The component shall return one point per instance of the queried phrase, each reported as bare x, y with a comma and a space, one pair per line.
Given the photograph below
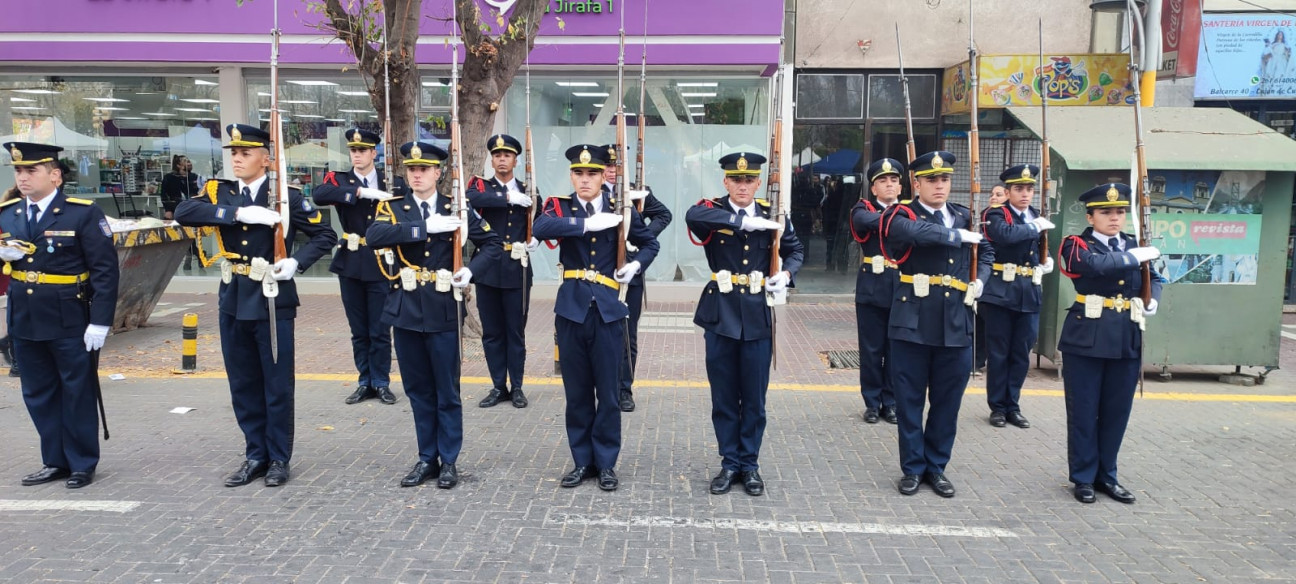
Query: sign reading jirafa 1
560, 6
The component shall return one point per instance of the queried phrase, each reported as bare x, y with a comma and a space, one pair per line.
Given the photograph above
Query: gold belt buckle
32, 277
946, 280
743, 279
425, 276
591, 276
1118, 303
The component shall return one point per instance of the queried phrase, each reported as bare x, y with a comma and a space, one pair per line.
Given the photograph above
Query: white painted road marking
111, 506
780, 526
160, 312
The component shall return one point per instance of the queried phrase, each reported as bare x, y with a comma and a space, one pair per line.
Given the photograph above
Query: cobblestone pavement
1204, 459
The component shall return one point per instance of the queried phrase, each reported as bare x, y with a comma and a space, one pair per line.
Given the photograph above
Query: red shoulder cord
1075, 256
557, 208
886, 227
330, 179
871, 209
478, 184
710, 205
985, 220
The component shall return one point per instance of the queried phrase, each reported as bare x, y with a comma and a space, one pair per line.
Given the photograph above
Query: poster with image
1246, 56
1207, 225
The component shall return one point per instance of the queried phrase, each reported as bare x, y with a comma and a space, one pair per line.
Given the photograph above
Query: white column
233, 107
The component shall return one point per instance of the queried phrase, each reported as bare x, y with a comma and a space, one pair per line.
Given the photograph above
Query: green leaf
1104, 78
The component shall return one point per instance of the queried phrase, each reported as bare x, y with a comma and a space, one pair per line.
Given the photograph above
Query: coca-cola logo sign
1172, 21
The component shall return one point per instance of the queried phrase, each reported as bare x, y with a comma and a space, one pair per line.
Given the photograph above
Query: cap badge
16, 153
937, 162
1026, 172
235, 134
886, 166
584, 157
742, 163
1112, 194
612, 154
499, 142
415, 152
355, 136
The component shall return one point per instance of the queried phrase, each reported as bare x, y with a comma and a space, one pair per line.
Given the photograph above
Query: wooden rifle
974, 147
910, 148
529, 152
776, 192
623, 205
640, 176
1044, 147
277, 187
1144, 219
458, 203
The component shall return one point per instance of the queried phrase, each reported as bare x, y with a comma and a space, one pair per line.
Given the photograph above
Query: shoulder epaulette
763, 202
906, 201
718, 200
564, 197
958, 206
76, 201
996, 205
295, 188
10, 202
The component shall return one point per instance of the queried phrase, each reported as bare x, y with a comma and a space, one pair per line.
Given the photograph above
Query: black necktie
940, 217
247, 196
32, 212
427, 211
1114, 244
742, 214
364, 181
589, 208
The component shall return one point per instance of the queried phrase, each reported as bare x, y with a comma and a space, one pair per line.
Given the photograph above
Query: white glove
461, 278
94, 337
777, 282
519, 199
758, 223
375, 194
969, 236
1047, 266
975, 288
1145, 254
626, 273
634, 195
532, 245
284, 269
1042, 224
442, 223
10, 252
256, 215
1151, 308
631, 248
602, 221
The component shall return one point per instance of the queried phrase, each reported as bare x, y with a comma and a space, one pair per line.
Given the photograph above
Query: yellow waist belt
872, 260
1021, 270
591, 276
346, 236
741, 279
40, 278
946, 281
1117, 304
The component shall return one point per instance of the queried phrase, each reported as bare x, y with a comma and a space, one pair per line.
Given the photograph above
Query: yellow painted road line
824, 387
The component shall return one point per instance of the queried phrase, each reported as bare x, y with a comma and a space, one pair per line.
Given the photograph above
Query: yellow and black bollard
557, 367
189, 349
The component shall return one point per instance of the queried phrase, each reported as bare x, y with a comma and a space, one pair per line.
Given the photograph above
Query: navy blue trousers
503, 320
590, 354
59, 394
1099, 397
738, 372
261, 390
634, 300
370, 339
875, 360
926, 374
1009, 337
429, 366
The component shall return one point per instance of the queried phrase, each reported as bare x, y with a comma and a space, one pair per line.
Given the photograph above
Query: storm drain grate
842, 359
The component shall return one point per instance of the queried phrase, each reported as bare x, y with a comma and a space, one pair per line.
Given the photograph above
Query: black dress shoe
940, 484
998, 420
449, 476
909, 484
13, 371
277, 474
422, 471
1115, 491
889, 415
44, 475
493, 398
386, 396
627, 401
249, 471
1017, 419
361, 393
578, 475
6, 349
870, 416
1084, 493
753, 483
608, 480
724, 481
519, 399
80, 479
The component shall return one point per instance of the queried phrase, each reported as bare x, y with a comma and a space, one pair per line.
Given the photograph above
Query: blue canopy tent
841, 162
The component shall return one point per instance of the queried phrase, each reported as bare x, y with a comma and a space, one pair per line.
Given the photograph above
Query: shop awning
1176, 138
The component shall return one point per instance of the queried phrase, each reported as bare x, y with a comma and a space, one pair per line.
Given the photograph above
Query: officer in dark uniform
931, 319
422, 307
737, 234
355, 195
504, 287
590, 321
59, 253
1102, 339
1010, 304
875, 286
657, 217
262, 388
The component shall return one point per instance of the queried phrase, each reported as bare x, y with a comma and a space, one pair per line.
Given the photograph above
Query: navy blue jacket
354, 215
922, 246
738, 314
655, 214
563, 219
216, 207
1015, 242
71, 238
871, 289
489, 197
1095, 269
400, 225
